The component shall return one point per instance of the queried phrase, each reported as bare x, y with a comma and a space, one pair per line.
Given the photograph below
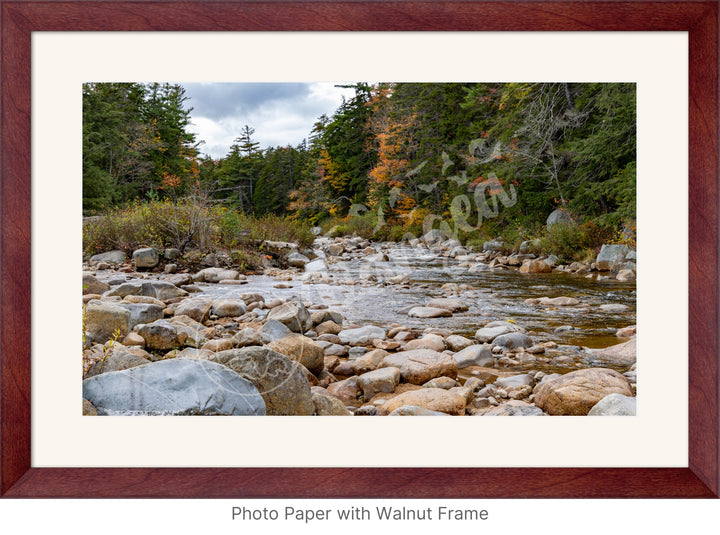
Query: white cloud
281, 114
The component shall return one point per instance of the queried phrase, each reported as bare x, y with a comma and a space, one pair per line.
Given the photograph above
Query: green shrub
185, 224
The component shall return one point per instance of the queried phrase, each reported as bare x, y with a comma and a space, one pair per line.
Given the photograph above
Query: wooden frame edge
18, 479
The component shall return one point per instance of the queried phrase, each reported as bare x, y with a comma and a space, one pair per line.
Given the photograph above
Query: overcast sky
281, 113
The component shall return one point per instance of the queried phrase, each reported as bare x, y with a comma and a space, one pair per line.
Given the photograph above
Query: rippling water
497, 294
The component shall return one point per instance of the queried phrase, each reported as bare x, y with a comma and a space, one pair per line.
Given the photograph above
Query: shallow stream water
493, 294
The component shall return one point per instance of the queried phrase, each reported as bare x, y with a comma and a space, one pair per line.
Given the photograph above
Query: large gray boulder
610, 256
175, 387
280, 382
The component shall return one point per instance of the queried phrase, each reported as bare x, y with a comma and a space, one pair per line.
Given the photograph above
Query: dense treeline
477, 156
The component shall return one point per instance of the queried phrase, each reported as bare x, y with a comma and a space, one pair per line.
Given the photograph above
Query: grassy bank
191, 225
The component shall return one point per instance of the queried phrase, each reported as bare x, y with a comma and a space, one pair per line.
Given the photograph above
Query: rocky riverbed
426, 327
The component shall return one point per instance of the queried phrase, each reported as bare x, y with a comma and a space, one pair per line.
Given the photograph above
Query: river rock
328, 327
301, 349
488, 334
626, 275
575, 393
316, 266
196, 333
623, 354
281, 382
475, 355
194, 353
335, 350
535, 266
162, 290
321, 316
250, 337
161, 335
104, 319
614, 405
335, 249
133, 339
326, 405
228, 308
274, 330
215, 274
143, 312
627, 332
369, 361
514, 381
111, 257
456, 342
434, 399
346, 390
197, 308
297, 259
180, 279
446, 383
558, 301
453, 305
513, 341
118, 359
146, 258
91, 285
429, 312
429, 341
420, 365
293, 315
380, 380
177, 387
410, 410
610, 256
558, 216
251, 298
362, 336
88, 409
514, 408
218, 344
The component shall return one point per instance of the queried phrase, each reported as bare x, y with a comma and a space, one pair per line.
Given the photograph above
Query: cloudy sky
281, 113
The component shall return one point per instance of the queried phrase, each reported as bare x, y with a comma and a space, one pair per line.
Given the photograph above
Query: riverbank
374, 328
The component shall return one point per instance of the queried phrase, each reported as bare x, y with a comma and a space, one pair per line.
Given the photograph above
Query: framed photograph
667, 52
